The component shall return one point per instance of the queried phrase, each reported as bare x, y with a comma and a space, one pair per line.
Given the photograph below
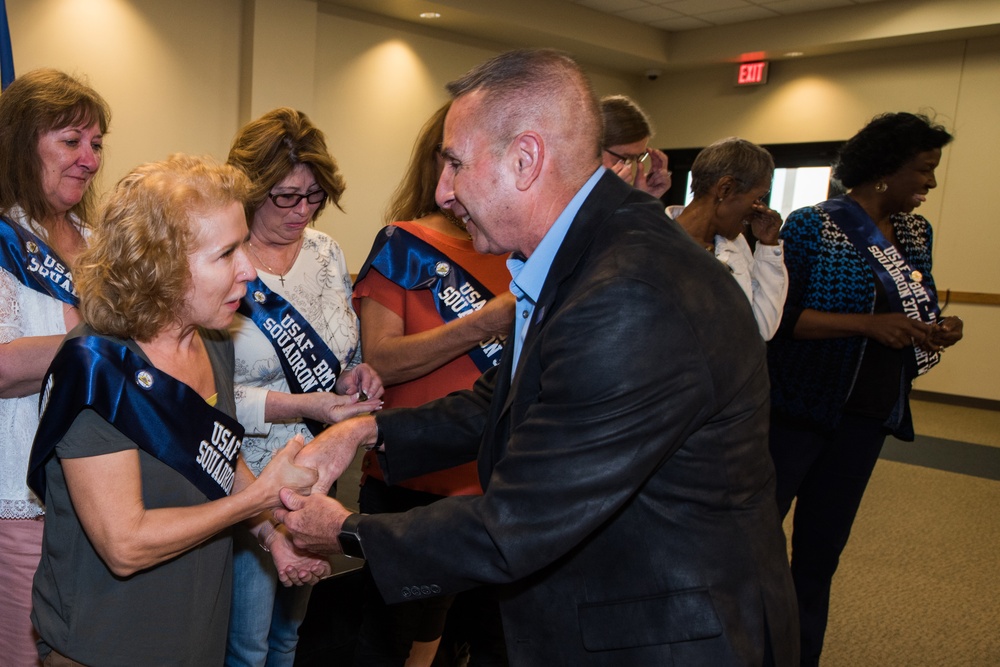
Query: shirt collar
529, 274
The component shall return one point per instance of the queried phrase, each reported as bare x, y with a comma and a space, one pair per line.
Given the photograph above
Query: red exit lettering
752, 73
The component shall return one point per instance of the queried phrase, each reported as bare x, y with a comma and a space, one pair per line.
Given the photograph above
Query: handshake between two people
303, 531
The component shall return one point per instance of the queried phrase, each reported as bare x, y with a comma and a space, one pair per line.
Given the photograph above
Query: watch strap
349, 539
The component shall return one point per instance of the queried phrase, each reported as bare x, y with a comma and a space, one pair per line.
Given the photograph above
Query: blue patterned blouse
812, 379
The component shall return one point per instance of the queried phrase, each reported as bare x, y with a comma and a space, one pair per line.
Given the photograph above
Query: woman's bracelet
265, 535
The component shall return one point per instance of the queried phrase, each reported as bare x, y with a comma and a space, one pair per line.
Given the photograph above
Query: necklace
281, 275
455, 221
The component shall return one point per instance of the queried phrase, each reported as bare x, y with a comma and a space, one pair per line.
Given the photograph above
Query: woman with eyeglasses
298, 354
729, 181
626, 150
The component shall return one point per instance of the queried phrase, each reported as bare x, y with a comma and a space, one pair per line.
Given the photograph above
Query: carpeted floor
919, 582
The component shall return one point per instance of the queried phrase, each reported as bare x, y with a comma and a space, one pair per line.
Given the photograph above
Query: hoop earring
881, 187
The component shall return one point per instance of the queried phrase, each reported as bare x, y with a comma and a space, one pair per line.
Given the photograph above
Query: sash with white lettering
414, 264
909, 291
34, 263
307, 361
163, 416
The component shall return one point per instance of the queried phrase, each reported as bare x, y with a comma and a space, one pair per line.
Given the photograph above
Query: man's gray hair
523, 86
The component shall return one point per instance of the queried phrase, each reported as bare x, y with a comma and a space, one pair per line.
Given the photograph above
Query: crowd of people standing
580, 430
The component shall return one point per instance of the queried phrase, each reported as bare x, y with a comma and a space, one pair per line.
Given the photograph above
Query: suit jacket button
406, 591
435, 589
425, 590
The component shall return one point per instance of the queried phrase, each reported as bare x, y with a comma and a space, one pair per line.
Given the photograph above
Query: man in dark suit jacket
628, 510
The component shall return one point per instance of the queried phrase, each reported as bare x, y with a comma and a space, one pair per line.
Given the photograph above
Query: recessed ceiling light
430, 15
794, 54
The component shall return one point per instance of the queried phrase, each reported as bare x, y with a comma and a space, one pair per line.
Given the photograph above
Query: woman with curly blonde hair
137, 452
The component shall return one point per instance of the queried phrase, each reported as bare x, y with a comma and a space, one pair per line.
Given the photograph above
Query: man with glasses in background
625, 149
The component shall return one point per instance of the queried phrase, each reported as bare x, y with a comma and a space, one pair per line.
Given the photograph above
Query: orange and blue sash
414, 264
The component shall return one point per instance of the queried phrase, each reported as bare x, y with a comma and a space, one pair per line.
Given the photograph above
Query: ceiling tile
737, 15
682, 23
797, 6
611, 6
649, 14
699, 7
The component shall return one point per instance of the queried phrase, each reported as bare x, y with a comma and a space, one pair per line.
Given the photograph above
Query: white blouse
762, 276
318, 285
23, 312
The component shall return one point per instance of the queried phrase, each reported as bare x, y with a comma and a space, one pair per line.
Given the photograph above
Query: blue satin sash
163, 416
307, 361
414, 264
909, 291
34, 263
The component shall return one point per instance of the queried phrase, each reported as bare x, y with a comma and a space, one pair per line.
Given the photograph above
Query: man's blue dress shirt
529, 274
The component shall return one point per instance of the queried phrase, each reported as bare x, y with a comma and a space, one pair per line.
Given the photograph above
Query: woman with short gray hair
729, 181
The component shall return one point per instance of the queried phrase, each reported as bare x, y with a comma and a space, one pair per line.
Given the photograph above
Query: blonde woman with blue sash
860, 322
137, 454
52, 130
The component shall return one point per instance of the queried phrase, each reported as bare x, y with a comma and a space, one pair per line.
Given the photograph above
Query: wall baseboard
951, 399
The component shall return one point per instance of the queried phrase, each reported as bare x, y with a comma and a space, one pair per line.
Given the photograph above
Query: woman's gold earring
881, 187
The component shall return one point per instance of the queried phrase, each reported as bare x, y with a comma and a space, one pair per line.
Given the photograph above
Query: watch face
350, 544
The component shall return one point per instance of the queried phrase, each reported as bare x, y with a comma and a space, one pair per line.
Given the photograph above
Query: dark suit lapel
607, 196
497, 426
501, 390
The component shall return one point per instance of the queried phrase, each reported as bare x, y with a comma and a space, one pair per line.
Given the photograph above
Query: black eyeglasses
292, 200
635, 159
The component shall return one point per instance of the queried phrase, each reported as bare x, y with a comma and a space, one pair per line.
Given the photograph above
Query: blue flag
6, 56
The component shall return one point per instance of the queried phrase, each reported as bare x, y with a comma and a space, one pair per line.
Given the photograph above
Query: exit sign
752, 74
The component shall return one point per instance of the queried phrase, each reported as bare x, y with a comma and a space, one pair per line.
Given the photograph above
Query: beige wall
183, 75
375, 88
278, 56
376, 85
169, 70
830, 98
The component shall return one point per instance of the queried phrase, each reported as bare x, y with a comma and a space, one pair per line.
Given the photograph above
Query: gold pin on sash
144, 379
